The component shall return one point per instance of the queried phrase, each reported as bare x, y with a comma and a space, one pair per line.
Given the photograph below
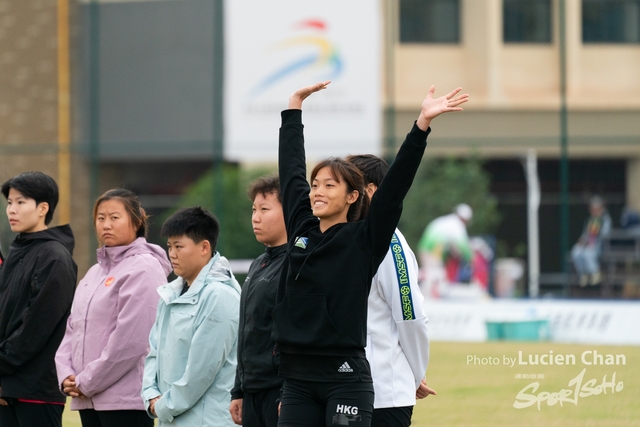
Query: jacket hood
61, 233
112, 255
220, 271
217, 270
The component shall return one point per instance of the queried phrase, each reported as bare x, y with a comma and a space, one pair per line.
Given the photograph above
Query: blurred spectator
630, 218
586, 252
445, 253
481, 262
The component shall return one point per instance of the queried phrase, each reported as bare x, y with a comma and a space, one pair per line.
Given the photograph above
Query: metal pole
533, 205
564, 142
391, 38
64, 121
218, 112
94, 109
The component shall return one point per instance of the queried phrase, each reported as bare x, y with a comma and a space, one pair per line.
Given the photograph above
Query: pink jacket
107, 336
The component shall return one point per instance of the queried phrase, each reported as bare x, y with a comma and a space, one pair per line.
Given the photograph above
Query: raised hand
295, 101
433, 107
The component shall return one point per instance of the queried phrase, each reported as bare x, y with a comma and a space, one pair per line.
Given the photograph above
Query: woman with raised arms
320, 317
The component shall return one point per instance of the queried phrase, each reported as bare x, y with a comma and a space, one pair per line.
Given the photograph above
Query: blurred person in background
100, 361
445, 253
586, 252
397, 342
630, 219
255, 396
37, 281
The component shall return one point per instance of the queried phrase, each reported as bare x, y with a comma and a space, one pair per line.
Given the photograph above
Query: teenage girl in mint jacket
101, 359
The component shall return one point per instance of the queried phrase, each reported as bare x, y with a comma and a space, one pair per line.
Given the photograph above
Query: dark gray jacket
257, 362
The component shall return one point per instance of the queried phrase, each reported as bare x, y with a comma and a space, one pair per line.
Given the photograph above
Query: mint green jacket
192, 358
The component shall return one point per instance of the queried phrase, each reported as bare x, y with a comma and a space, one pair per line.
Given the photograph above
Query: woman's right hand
295, 101
235, 408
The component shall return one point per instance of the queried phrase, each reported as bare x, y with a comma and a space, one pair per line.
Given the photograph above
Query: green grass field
483, 395
480, 395
70, 418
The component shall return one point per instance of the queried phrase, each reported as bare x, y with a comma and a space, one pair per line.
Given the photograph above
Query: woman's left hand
69, 387
424, 391
433, 107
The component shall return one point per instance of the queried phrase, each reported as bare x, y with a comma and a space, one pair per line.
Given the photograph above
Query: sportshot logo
577, 389
345, 368
581, 386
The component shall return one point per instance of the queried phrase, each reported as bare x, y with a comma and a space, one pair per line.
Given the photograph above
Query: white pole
533, 204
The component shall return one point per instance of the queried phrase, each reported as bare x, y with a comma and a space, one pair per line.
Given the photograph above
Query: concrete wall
515, 91
29, 107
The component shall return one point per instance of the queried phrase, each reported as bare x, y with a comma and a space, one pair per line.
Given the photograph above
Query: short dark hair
37, 186
269, 184
196, 223
129, 199
373, 167
341, 170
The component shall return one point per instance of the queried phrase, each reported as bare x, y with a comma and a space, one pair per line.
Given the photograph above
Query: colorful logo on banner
322, 55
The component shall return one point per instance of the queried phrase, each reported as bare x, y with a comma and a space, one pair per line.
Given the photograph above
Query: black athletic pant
261, 409
392, 417
306, 403
128, 418
23, 414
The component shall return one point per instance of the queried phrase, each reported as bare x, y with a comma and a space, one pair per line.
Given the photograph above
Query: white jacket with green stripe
397, 342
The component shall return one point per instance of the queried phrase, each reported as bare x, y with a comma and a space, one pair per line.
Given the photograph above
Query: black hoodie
37, 282
320, 318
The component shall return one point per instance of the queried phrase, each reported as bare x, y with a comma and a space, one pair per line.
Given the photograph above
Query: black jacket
257, 362
321, 306
37, 282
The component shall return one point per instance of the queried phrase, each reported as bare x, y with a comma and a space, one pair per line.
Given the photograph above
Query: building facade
128, 90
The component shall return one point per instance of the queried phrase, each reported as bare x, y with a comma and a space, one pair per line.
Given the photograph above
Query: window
429, 21
527, 21
611, 21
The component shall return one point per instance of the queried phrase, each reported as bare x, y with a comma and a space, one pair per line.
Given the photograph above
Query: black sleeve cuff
291, 116
419, 134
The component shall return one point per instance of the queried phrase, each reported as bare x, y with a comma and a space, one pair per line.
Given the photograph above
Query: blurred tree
439, 186
442, 184
237, 240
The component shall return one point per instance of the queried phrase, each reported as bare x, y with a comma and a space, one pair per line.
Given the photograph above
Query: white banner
274, 47
583, 322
